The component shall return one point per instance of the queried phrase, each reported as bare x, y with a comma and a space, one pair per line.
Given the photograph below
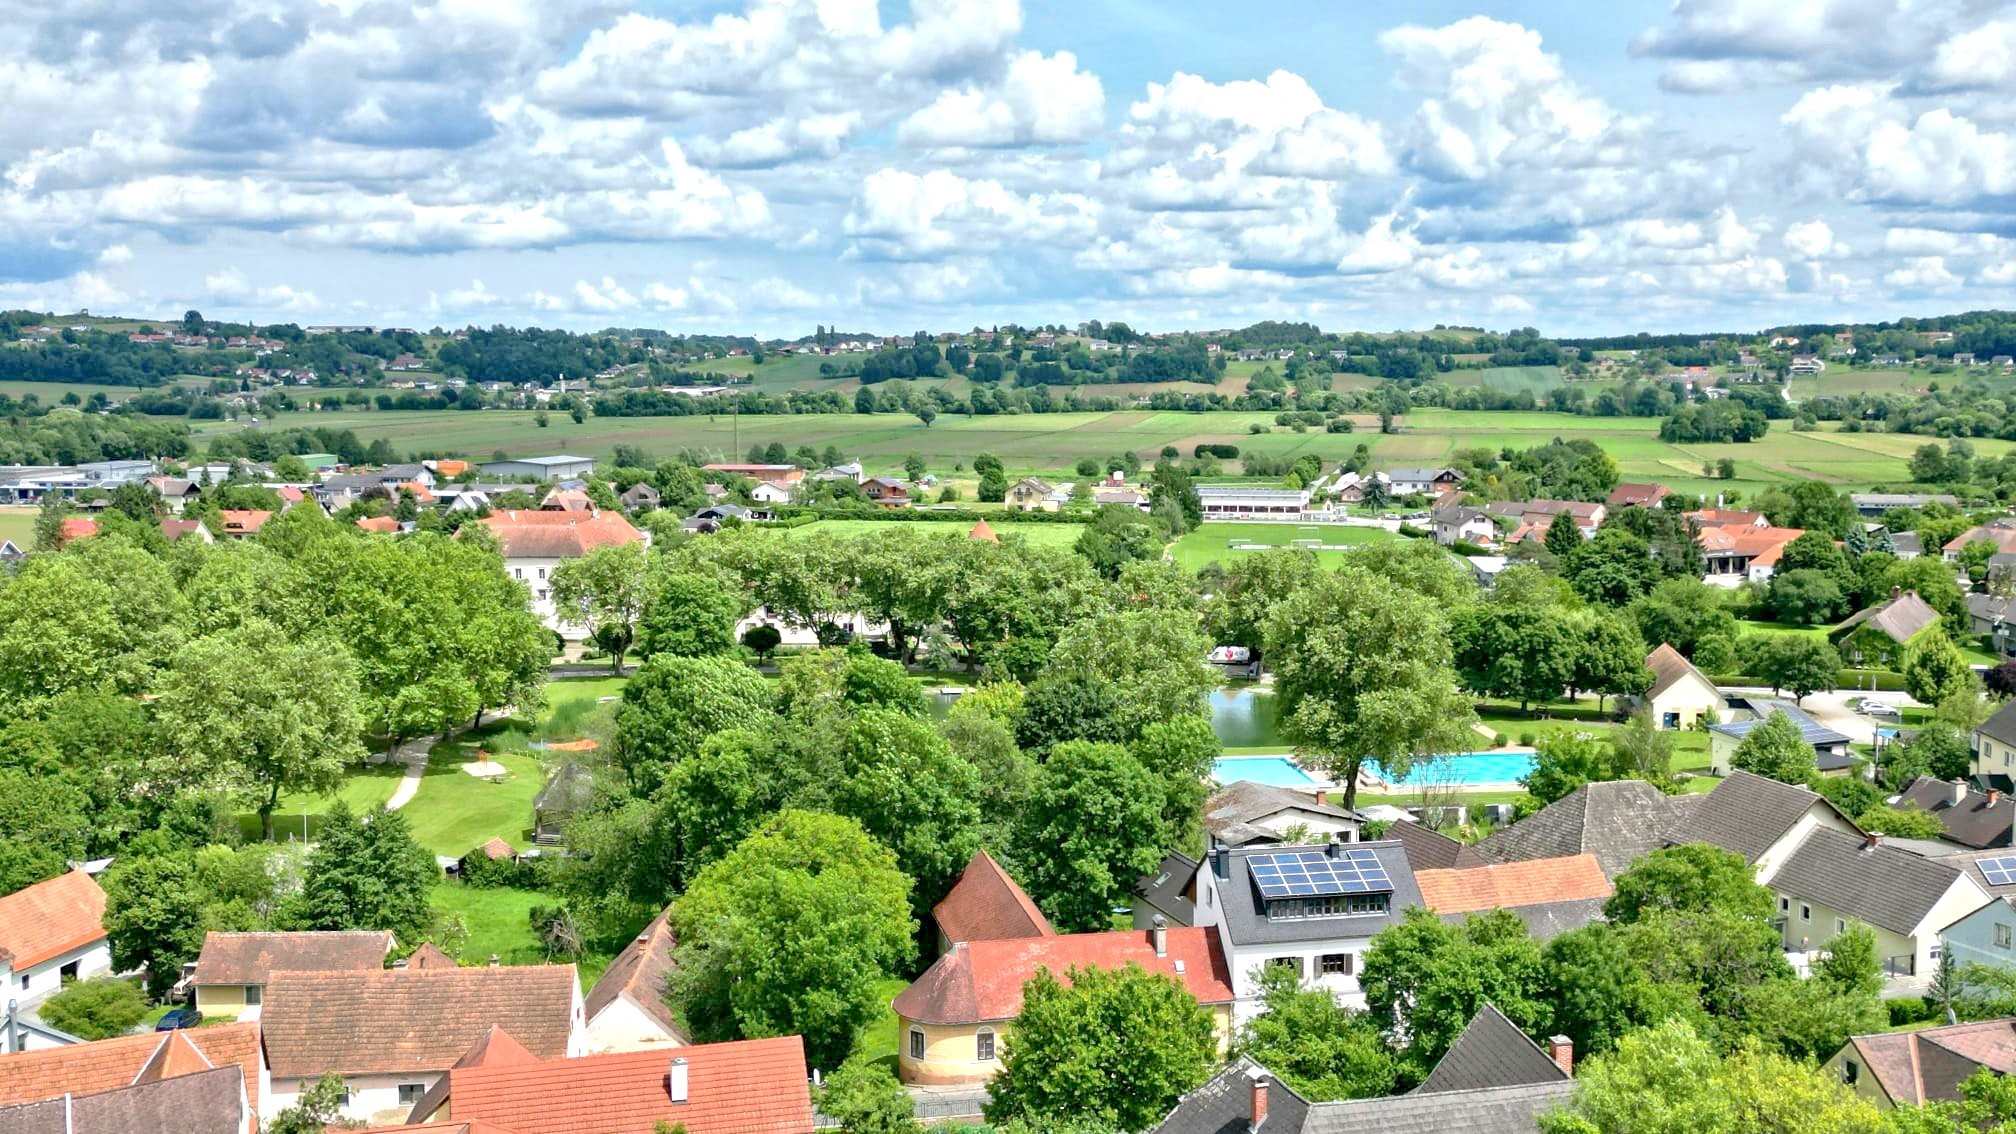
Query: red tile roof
250, 958
399, 1020
378, 524
639, 972
429, 956
746, 1087
244, 521
173, 529
1724, 518
981, 981
1643, 495
76, 527
558, 535
51, 918
2004, 539
88, 1068
986, 905
983, 533
1534, 882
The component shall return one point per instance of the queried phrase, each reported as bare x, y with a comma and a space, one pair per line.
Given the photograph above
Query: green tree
1810, 505
1641, 750
1521, 653
864, 1097
1776, 749
365, 874
1934, 670
96, 1009
1425, 979
1804, 597
1093, 826
1609, 656
1152, 661
673, 704
154, 917
792, 932
318, 1107
1563, 536
1170, 483
1900, 823
689, 615
906, 787
605, 592
1321, 1051
1612, 569
1113, 1047
262, 714
1363, 670
1598, 993
1797, 663
1689, 878
1236, 613
1564, 761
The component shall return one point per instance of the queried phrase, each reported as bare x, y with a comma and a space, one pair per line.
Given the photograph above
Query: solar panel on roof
1999, 871
1307, 873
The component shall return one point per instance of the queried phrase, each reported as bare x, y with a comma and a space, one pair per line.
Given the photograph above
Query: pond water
1244, 718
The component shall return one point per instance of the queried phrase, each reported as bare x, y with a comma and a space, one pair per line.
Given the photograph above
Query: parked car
178, 1019
1872, 707
1231, 655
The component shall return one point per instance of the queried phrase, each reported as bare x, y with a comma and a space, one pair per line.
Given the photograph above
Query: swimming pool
1275, 771
1462, 768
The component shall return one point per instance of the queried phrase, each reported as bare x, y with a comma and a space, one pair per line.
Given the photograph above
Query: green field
18, 524
1224, 543
1037, 534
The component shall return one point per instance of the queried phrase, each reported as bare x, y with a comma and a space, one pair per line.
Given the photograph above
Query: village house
560, 467
1831, 754
1031, 494
228, 979
1454, 523
743, 1087
51, 933
639, 497
626, 1009
394, 1033
1985, 936
1638, 495
1492, 1080
1978, 820
211, 1101
2000, 532
1534, 517
536, 542
1876, 635
1836, 879
35, 1076
986, 904
1616, 821
1680, 694
1245, 811
1424, 482
1551, 895
1912, 1068
1740, 553
954, 1019
1994, 764
886, 491
1313, 909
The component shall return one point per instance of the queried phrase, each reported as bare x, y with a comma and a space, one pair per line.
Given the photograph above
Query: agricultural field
1225, 543
1037, 534
49, 393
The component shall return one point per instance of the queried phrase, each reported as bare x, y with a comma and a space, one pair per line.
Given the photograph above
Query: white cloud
230, 288
1924, 274
910, 216
1725, 45
113, 254
1813, 239
1044, 99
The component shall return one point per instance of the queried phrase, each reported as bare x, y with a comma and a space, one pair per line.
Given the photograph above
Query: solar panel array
1999, 871
1308, 873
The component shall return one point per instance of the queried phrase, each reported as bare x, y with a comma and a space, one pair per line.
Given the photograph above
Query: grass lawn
456, 812
1223, 543
1037, 534
498, 921
574, 710
17, 523
880, 1036
364, 789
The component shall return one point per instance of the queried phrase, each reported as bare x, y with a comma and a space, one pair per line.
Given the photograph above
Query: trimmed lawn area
1223, 543
880, 1037
1038, 534
498, 921
365, 789
456, 812
18, 524
574, 710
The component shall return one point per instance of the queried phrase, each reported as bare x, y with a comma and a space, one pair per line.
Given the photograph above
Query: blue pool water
1464, 768
1277, 771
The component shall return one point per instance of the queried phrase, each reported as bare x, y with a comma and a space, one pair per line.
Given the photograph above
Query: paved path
413, 754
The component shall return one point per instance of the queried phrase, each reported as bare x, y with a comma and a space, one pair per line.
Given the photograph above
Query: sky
764, 166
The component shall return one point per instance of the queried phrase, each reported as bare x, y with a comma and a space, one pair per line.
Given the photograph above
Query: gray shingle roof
1972, 821
1899, 616
1429, 849
1747, 813
1491, 1052
206, 1102
1548, 920
1885, 886
2001, 726
1243, 801
1618, 821
1494, 1110
1246, 920
1163, 890
1907, 543
1224, 1105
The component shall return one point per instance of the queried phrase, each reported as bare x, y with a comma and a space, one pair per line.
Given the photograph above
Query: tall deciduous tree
689, 614
1777, 749
364, 873
1320, 1050
1114, 1049
1092, 828
1362, 670
792, 933
673, 704
1425, 979
154, 917
1934, 669
605, 592
262, 713
1521, 653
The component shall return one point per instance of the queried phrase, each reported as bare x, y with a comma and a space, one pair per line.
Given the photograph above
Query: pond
1244, 718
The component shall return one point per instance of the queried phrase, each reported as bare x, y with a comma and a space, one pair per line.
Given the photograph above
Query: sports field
1051, 443
1225, 543
17, 524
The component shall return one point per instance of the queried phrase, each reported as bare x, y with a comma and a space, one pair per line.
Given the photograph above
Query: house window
1784, 905
1669, 720
1840, 926
983, 1045
2001, 936
1805, 913
1292, 963
542, 572
1851, 1072
517, 572
253, 994
67, 973
916, 1043
409, 1093
1336, 964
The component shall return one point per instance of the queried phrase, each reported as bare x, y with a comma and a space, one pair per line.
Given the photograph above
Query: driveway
1834, 710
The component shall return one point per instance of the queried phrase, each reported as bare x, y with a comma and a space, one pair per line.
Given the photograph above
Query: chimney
1322, 796
1993, 795
1221, 861
1896, 592
1959, 792
1159, 933
1872, 840
13, 1025
1259, 1100
1561, 1050
675, 1081
495, 960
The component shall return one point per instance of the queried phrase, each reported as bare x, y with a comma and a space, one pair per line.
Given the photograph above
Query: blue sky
768, 165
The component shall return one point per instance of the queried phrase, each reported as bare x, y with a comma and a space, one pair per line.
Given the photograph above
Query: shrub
1910, 1010
96, 1009
1526, 739
762, 639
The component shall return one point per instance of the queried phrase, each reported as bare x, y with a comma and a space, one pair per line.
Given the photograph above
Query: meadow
1037, 534
17, 524
1226, 543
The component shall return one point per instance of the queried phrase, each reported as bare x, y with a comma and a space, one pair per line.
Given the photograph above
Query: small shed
565, 796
